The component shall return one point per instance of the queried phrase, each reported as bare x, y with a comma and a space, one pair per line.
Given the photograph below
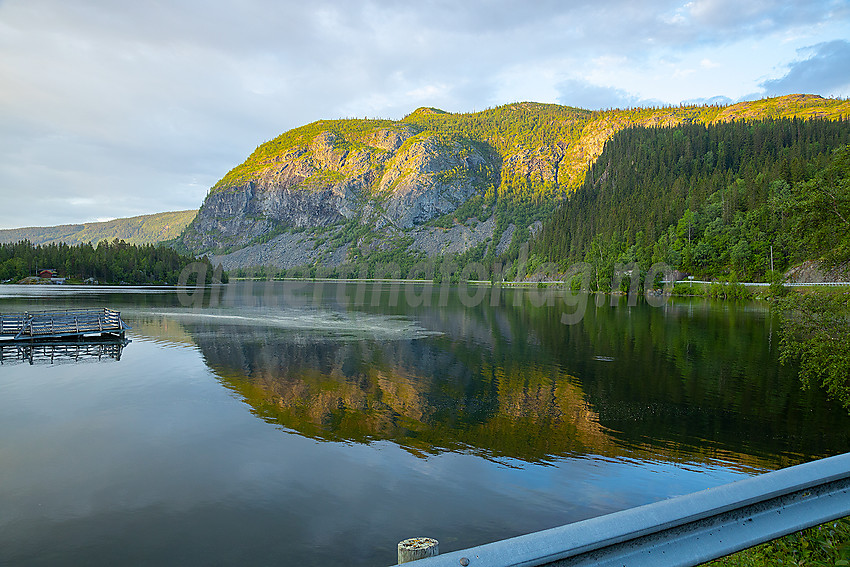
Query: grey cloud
715, 22
757, 14
825, 71
127, 108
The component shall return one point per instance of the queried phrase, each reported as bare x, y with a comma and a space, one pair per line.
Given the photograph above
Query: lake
288, 423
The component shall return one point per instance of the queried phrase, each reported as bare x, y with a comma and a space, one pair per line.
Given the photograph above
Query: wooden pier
46, 325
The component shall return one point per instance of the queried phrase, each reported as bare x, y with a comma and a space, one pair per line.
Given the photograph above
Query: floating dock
48, 325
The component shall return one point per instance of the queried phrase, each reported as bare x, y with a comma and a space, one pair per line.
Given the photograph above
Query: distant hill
145, 229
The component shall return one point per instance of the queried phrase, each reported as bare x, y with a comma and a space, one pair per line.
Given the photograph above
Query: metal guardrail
683, 531
764, 284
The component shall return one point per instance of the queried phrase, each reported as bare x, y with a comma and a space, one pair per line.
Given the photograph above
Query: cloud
709, 101
825, 71
581, 94
115, 109
717, 21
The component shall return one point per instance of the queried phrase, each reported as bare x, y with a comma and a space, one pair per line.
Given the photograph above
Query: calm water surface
269, 424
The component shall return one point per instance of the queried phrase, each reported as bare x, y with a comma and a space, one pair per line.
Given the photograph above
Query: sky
113, 109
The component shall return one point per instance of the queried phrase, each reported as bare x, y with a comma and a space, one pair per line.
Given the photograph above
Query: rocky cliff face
386, 178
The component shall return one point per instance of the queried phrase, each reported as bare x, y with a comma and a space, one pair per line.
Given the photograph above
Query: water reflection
409, 392
59, 352
318, 428
319, 322
687, 382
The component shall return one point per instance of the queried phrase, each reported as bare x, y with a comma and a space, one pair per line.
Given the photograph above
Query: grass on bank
824, 545
735, 290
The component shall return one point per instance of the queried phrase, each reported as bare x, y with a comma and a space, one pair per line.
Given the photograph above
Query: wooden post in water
417, 548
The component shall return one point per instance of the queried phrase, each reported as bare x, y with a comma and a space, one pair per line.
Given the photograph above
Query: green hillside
712, 200
576, 134
460, 186
145, 229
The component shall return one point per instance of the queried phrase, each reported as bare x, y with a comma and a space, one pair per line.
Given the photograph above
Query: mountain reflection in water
683, 383
321, 426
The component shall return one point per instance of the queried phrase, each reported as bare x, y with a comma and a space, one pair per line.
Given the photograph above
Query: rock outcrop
385, 177
812, 272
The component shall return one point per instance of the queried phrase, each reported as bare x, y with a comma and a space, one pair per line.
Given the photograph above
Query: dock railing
12, 323
65, 323
682, 531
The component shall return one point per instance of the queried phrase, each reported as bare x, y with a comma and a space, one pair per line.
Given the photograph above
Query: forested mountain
432, 185
145, 229
347, 196
108, 262
708, 199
